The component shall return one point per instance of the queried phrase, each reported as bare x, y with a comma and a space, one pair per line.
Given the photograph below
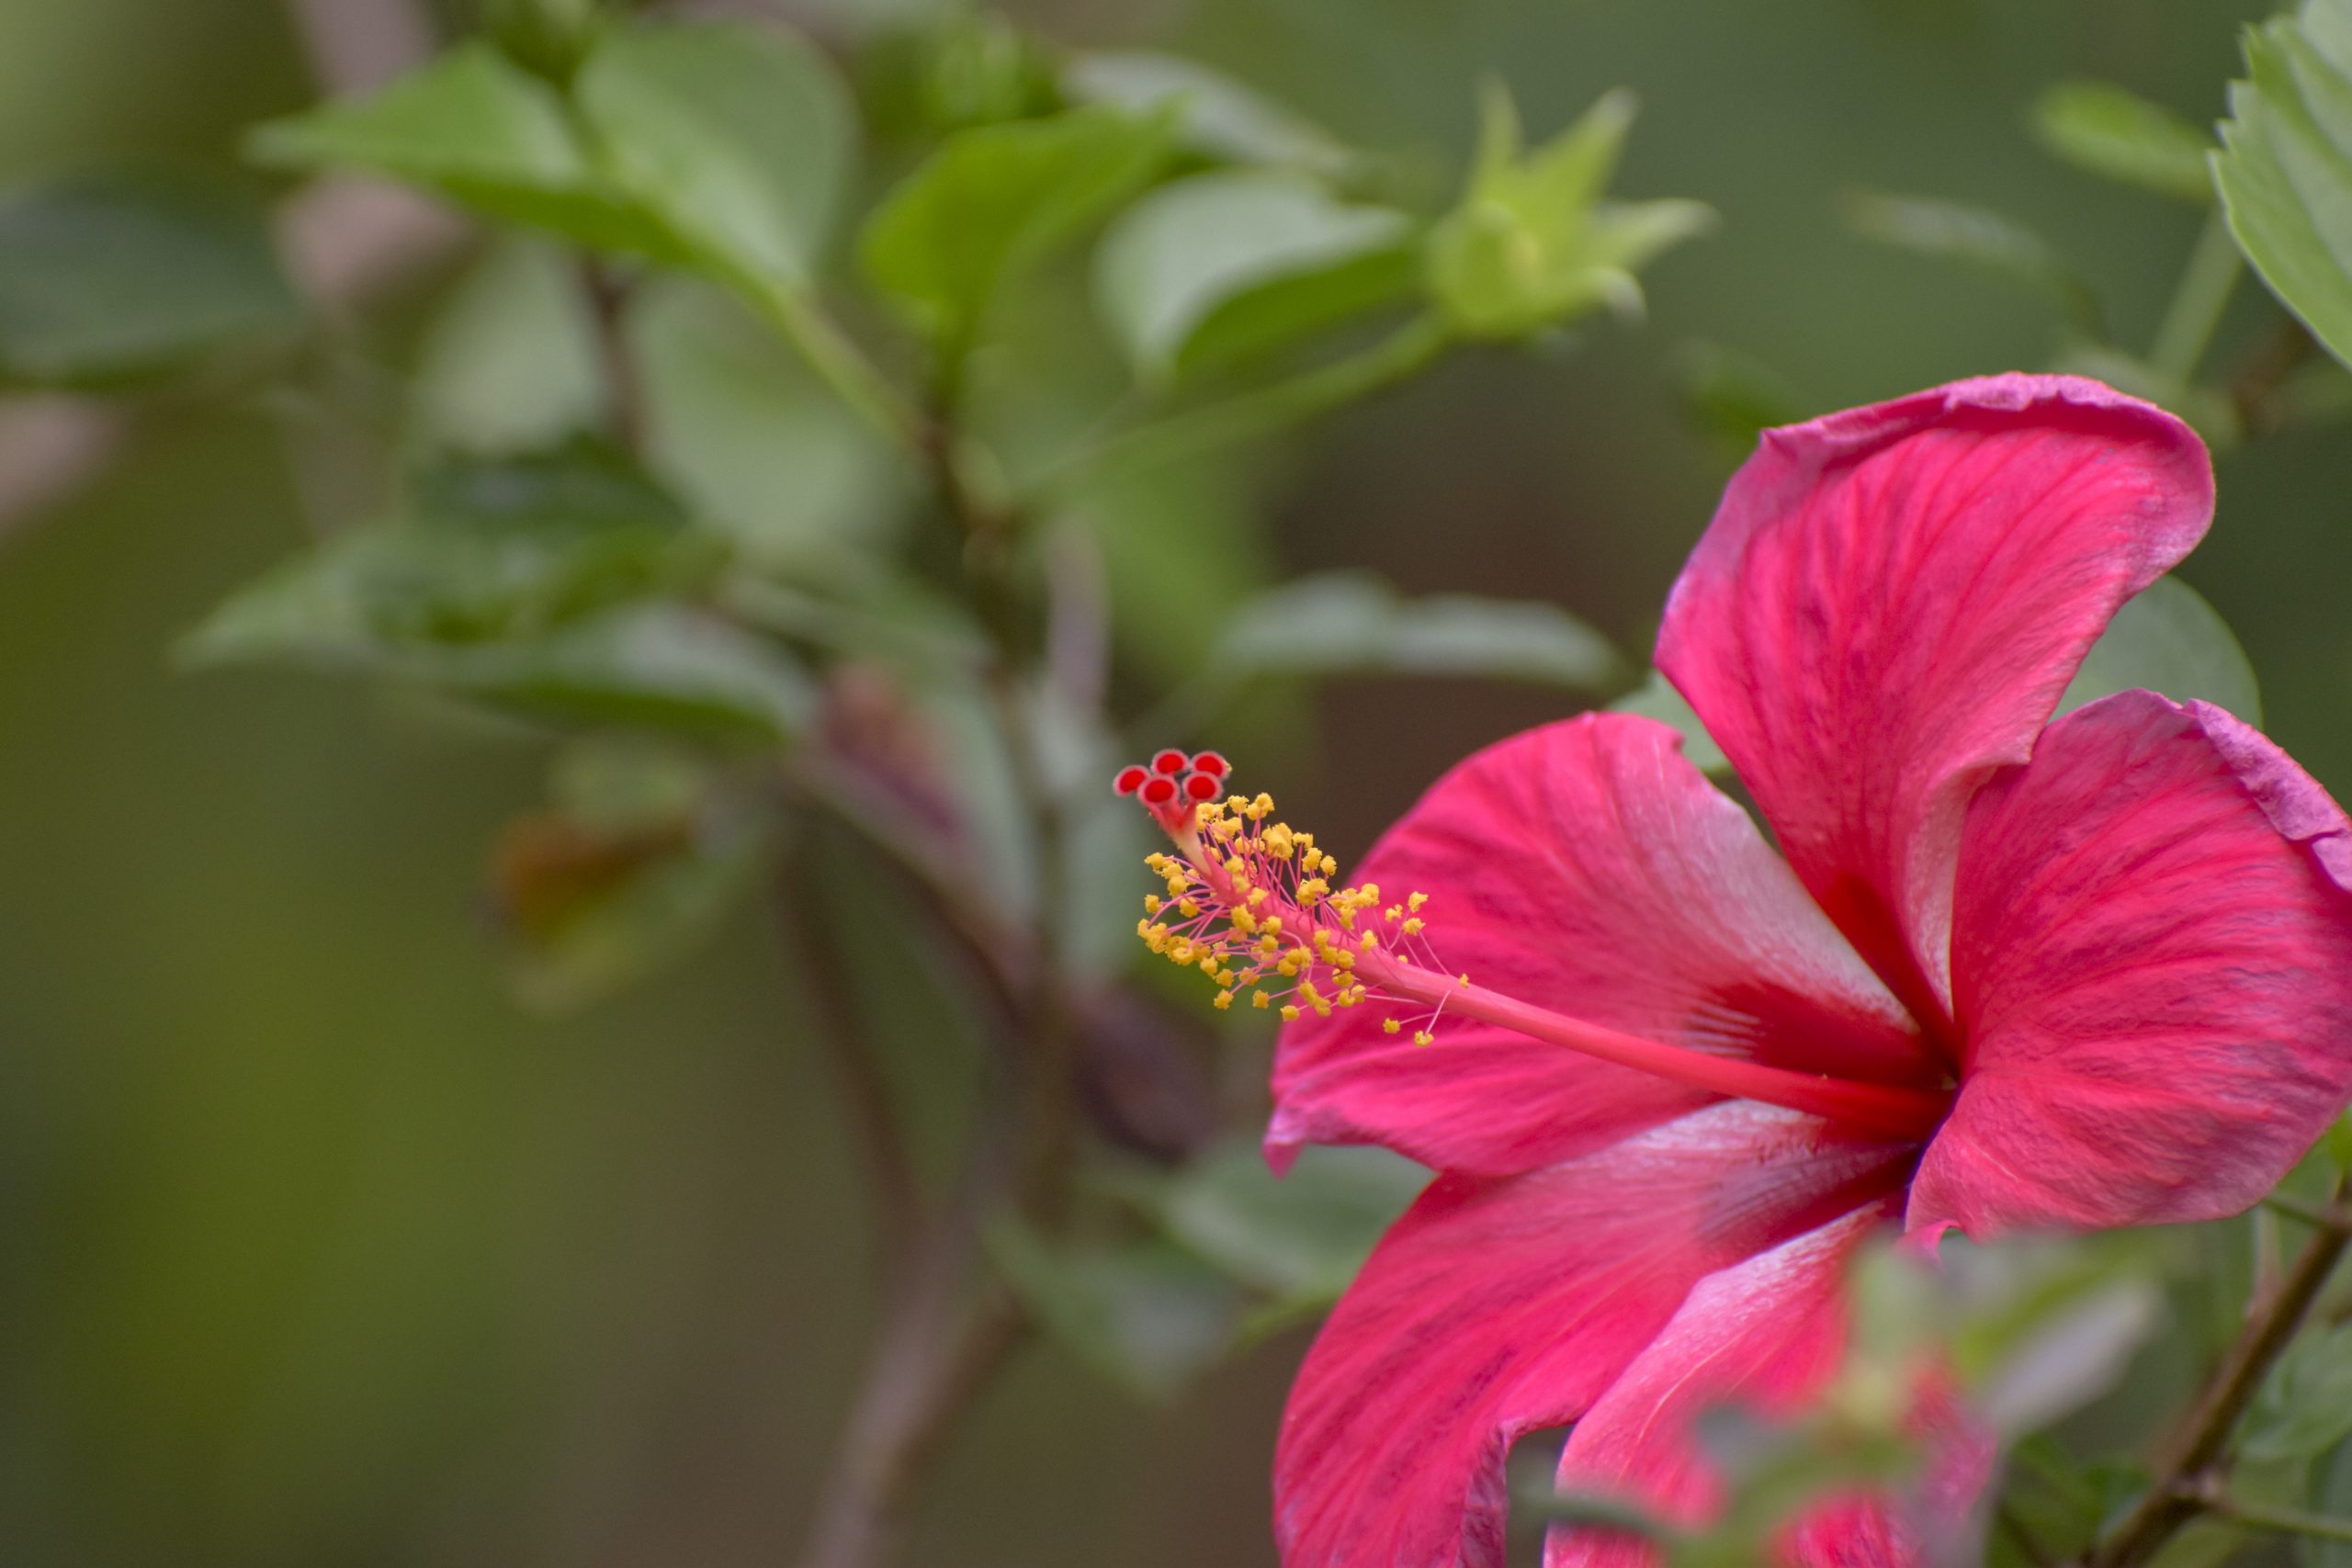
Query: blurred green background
318, 1249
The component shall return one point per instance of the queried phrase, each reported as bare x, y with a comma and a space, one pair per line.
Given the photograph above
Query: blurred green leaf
1351, 623
996, 198
1221, 266
2113, 133
1532, 245
107, 280
2304, 1406
550, 37
1657, 698
1998, 247
2331, 1494
1147, 1315
2168, 640
487, 549
1732, 399
508, 361
740, 137
1299, 1237
2284, 170
966, 68
2060, 1502
479, 130
651, 666
1215, 115
745, 431
591, 903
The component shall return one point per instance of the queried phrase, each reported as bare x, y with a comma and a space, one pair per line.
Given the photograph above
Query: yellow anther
1236, 866
1331, 867
1393, 913
1290, 1014
1423, 1037
1152, 902
1343, 961
1390, 1026
1261, 807
1208, 965
1259, 999
1370, 942
1465, 982
1188, 908
1314, 887
1288, 966
1245, 922
1415, 926
1275, 924
1224, 1000
1417, 900
1371, 892
1257, 897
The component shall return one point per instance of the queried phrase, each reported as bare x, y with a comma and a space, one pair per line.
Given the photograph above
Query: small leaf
1223, 264
487, 550
1300, 1237
508, 361
479, 130
1657, 698
651, 666
1349, 623
2304, 1406
2285, 171
2331, 1494
996, 198
1148, 1316
108, 280
739, 139
1215, 115
1732, 399
2168, 640
1998, 247
591, 901
2109, 131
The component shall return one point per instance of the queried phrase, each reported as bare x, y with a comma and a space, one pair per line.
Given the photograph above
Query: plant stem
2286, 1521
608, 292
2183, 1486
838, 362
2197, 303
890, 1167
1252, 414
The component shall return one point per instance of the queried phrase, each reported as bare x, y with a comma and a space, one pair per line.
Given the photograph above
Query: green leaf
1532, 245
1300, 1237
487, 550
1147, 1315
1657, 698
1351, 623
479, 128
2304, 1406
508, 361
2331, 1494
643, 666
1224, 265
995, 200
2284, 170
2112, 132
635, 865
108, 281
1998, 247
1215, 115
2168, 640
739, 139
1732, 399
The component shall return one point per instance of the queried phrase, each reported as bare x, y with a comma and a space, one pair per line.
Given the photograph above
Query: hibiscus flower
2001, 973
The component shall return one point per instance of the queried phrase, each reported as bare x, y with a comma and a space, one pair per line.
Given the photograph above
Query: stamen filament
1903, 1114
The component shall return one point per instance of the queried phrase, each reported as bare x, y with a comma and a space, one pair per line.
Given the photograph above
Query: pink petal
1888, 605
2151, 959
1766, 1334
1497, 1306
1585, 867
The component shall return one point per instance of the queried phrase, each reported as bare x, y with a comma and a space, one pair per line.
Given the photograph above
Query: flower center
1250, 902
